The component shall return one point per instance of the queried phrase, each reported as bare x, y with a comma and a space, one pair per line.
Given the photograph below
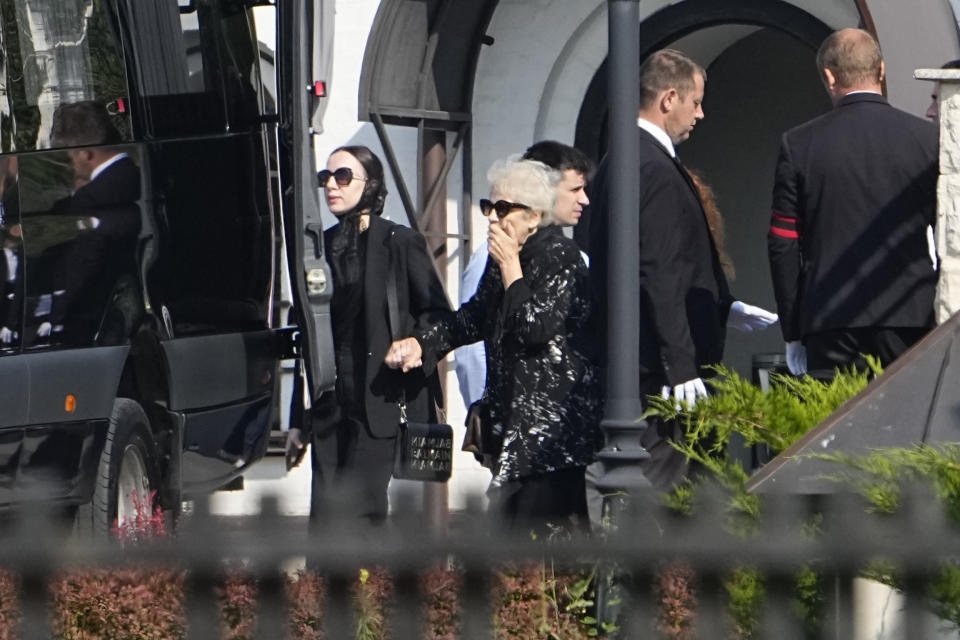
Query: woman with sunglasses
531, 310
355, 426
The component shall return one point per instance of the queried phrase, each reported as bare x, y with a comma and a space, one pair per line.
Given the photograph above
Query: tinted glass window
197, 66
80, 219
11, 260
54, 52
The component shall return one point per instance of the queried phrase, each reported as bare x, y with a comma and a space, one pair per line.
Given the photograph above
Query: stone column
947, 233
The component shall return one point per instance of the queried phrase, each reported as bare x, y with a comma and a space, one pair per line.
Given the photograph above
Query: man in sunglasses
685, 304
576, 168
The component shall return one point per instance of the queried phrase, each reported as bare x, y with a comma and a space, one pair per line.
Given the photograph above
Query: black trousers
543, 502
828, 350
351, 471
666, 466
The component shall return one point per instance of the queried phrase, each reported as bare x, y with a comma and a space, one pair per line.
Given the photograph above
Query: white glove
6, 335
686, 393
746, 317
796, 358
44, 329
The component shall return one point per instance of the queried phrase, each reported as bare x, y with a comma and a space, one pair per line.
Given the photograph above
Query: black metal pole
622, 430
622, 451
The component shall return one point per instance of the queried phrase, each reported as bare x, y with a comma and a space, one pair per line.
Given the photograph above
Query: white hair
526, 182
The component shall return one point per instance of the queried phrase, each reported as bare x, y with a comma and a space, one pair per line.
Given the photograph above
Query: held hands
686, 393
796, 357
746, 317
404, 354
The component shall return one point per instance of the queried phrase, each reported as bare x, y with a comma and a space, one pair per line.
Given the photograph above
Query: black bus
145, 185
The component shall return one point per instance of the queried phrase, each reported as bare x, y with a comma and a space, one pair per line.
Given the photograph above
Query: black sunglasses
502, 207
343, 176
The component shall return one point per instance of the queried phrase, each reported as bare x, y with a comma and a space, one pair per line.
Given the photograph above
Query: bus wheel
126, 475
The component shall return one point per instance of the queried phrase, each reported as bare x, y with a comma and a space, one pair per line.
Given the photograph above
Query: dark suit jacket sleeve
665, 270
427, 299
783, 243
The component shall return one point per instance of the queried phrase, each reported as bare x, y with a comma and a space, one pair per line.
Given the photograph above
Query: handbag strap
393, 317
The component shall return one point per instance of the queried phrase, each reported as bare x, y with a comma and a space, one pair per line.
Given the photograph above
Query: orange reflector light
70, 405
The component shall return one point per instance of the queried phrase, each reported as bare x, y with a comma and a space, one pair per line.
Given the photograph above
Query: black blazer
420, 297
97, 257
855, 190
684, 297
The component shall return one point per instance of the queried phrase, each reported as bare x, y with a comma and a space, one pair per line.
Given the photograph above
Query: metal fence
643, 535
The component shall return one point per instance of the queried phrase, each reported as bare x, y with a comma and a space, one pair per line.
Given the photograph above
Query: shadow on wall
758, 88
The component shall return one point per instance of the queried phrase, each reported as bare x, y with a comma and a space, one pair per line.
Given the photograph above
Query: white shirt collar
659, 134
104, 165
850, 93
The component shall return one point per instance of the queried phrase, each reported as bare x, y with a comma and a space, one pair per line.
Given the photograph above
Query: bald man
854, 192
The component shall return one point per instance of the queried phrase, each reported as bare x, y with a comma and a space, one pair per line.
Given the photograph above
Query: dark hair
666, 69
344, 246
559, 156
85, 123
953, 64
853, 57
375, 189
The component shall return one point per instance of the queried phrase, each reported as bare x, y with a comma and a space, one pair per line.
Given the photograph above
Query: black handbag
423, 450
480, 438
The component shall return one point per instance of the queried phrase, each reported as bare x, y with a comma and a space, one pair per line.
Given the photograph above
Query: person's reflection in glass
95, 293
11, 277
11, 265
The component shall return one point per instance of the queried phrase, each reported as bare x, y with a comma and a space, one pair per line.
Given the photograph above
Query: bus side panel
207, 371
221, 443
60, 461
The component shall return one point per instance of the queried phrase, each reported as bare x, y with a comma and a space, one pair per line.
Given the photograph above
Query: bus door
305, 37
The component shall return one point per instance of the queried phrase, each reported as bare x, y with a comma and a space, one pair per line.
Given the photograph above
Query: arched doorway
761, 81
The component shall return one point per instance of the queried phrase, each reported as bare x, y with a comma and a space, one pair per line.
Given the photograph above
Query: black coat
542, 387
98, 256
855, 190
420, 297
684, 297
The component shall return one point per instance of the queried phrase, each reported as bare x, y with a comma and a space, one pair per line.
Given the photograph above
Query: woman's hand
404, 354
505, 249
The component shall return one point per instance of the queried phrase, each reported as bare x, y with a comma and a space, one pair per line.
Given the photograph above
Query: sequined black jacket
542, 385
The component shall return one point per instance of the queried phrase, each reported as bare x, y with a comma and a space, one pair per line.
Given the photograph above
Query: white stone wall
947, 231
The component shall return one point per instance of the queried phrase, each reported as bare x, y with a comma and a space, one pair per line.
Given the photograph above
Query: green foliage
810, 599
745, 587
879, 475
777, 418
945, 590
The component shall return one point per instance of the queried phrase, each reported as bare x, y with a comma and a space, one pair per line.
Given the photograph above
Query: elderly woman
531, 310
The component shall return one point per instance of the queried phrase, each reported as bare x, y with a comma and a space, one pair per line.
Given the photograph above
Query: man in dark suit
855, 191
95, 281
685, 304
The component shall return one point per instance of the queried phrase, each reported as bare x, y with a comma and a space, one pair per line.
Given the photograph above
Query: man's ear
829, 79
883, 71
668, 99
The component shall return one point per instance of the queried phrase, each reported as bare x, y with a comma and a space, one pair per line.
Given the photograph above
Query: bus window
63, 51
197, 67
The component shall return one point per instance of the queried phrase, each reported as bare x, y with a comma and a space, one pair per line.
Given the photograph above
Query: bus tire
127, 468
